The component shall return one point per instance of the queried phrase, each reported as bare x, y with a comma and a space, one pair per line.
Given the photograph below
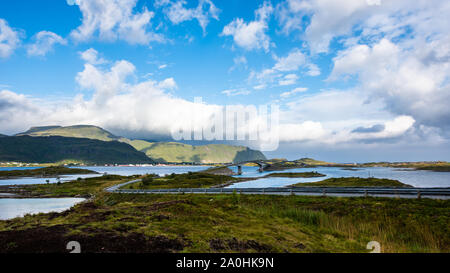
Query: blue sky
187, 61
349, 76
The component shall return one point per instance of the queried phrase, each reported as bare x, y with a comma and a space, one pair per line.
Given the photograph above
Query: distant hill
79, 131
55, 149
160, 151
213, 153
311, 161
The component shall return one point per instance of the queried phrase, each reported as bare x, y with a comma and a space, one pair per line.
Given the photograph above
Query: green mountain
311, 161
54, 149
160, 151
213, 153
79, 131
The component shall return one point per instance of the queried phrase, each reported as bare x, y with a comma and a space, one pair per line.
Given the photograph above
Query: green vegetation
214, 153
77, 131
311, 161
220, 170
55, 149
303, 174
44, 172
437, 168
186, 180
234, 223
138, 144
353, 182
283, 164
81, 187
164, 152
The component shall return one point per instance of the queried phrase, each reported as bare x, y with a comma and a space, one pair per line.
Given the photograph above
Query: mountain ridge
163, 152
58, 149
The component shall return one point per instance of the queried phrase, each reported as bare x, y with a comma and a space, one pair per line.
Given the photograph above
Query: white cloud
235, 92
291, 62
178, 13
398, 53
114, 20
411, 82
293, 92
9, 39
168, 84
106, 83
328, 19
313, 70
341, 114
17, 111
251, 35
259, 87
288, 79
295, 60
162, 66
44, 43
117, 103
90, 56
300, 132
240, 61
289, 16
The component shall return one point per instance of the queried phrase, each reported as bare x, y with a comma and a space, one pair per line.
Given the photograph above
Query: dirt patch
54, 240
240, 246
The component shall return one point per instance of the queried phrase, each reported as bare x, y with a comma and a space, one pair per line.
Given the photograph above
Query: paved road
435, 193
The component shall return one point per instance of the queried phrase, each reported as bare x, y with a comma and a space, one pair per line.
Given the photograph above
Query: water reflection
122, 170
408, 176
11, 208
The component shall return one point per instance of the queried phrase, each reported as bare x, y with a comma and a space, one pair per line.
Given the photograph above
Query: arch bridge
262, 165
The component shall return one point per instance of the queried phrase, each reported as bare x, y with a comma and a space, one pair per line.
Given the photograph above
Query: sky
355, 80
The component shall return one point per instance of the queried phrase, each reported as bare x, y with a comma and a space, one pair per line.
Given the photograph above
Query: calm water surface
125, 171
160, 170
407, 176
12, 208
426, 179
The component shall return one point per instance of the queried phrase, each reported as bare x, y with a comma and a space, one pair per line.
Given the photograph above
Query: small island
293, 175
354, 182
435, 168
44, 172
186, 180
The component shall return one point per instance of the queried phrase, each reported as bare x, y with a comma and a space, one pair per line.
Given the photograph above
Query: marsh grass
354, 182
186, 180
405, 231
79, 187
274, 223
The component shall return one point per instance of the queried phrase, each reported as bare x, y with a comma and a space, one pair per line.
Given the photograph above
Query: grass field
234, 223
224, 223
187, 180
354, 182
85, 187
